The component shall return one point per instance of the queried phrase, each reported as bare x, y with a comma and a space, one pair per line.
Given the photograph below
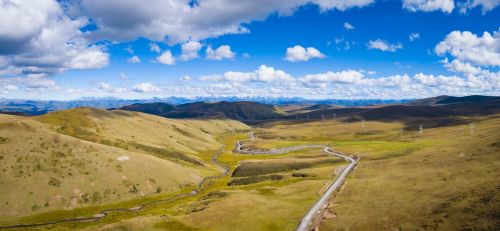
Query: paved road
305, 222
323, 201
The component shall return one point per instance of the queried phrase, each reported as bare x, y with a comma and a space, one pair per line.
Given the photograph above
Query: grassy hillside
44, 171
451, 183
175, 139
86, 157
443, 179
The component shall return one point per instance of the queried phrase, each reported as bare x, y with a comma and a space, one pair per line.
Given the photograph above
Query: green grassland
443, 179
59, 161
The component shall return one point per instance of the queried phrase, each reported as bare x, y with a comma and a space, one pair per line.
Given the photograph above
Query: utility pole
421, 129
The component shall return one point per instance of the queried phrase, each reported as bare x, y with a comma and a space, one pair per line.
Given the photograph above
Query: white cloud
186, 78
262, 74
468, 47
134, 59
190, 50
166, 58
440, 80
222, 52
348, 26
10, 87
123, 76
145, 87
39, 38
429, 5
154, 47
414, 36
129, 50
349, 76
383, 45
179, 22
107, 88
38, 81
486, 5
299, 53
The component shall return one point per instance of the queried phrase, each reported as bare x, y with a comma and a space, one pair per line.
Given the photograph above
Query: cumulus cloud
299, 53
222, 52
349, 76
353, 84
429, 5
154, 47
468, 47
34, 81
38, 37
145, 88
179, 21
486, 5
190, 50
414, 36
134, 59
166, 58
384, 46
348, 26
106, 87
262, 74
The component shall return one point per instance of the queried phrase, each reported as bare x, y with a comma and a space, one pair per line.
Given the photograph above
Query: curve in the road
304, 224
322, 203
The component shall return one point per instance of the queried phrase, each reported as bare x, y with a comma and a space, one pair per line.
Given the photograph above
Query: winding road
322, 203
304, 224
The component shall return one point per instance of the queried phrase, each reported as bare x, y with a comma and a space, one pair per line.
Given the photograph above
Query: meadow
443, 178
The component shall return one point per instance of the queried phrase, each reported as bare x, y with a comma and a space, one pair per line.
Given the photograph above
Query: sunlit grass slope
84, 157
452, 182
445, 178
42, 170
179, 139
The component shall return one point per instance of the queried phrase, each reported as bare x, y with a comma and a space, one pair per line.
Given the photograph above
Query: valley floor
445, 178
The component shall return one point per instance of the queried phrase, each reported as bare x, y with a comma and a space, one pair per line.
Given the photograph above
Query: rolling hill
86, 157
432, 112
445, 99
243, 110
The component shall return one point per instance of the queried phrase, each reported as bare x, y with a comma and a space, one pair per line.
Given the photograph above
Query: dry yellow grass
59, 161
450, 184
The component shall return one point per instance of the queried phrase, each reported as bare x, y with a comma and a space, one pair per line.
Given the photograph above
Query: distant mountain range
242, 110
38, 107
432, 112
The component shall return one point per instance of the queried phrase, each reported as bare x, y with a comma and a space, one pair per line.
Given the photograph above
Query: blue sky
312, 49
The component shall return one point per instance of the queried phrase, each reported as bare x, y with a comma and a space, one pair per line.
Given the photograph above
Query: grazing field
90, 157
445, 178
442, 178
450, 183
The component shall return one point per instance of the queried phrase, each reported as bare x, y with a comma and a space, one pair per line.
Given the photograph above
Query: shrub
254, 179
54, 182
262, 168
3, 140
300, 174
